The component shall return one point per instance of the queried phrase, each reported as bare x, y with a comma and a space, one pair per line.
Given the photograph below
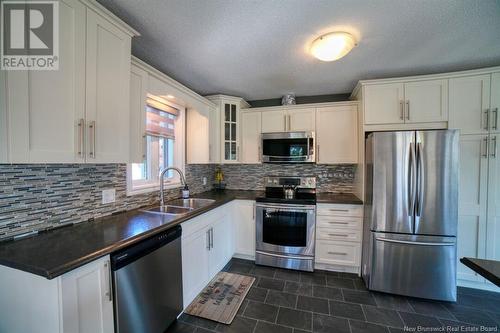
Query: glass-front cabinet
229, 108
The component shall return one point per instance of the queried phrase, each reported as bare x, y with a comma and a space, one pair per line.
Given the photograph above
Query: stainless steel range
286, 223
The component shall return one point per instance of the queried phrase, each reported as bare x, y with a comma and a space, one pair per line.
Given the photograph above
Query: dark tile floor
283, 301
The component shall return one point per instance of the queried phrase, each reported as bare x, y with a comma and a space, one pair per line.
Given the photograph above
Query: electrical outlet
108, 196
204, 180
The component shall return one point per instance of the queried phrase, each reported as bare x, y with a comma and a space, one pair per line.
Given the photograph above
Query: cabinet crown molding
165, 78
234, 99
108, 15
446, 75
300, 106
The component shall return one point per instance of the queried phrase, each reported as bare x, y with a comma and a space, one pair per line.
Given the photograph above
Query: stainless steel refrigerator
411, 211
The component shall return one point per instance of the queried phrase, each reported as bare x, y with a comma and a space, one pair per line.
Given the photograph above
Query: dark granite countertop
55, 252
489, 269
338, 198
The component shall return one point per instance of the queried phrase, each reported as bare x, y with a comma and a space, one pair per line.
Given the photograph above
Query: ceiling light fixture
332, 46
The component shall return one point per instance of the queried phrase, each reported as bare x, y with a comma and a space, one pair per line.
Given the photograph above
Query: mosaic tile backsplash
44, 196
330, 178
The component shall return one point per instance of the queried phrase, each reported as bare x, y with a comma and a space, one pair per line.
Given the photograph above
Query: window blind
160, 118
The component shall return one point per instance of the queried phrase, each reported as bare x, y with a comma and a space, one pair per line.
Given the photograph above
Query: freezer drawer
418, 266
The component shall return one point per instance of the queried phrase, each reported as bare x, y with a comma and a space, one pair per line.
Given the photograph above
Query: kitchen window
164, 147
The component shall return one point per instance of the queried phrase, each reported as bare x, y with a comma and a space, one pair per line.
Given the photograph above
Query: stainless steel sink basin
169, 210
180, 206
193, 203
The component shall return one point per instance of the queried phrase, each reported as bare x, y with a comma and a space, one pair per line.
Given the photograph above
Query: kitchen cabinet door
197, 136
493, 227
214, 130
87, 304
469, 101
138, 92
220, 253
383, 103
472, 200
273, 121
194, 264
45, 108
107, 91
495, 103
337, 134
426, 101
301, 120
244, 230
250, 128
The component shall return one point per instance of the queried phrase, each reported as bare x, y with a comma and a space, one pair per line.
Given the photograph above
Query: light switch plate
108, 196
204, 180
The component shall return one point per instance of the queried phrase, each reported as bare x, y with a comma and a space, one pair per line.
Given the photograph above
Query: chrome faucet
162, 180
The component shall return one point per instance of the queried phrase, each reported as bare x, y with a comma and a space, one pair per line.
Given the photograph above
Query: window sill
142, 189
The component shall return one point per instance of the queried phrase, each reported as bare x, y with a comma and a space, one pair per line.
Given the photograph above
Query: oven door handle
287, 208
290, 156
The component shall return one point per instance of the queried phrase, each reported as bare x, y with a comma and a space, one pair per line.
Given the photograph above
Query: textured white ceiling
257, 49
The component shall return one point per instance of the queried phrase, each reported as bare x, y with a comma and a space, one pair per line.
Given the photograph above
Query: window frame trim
179, 161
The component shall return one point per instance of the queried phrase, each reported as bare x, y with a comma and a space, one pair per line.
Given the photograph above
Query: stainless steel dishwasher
147, 283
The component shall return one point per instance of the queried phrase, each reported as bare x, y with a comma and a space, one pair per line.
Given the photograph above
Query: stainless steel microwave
288, 147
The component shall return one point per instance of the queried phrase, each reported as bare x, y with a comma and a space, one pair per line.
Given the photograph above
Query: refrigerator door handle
414, 243
412, 190
420, 184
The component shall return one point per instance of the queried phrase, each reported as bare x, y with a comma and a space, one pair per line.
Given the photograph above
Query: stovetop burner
304, 190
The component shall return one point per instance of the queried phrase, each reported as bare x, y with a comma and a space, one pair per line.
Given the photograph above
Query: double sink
180, 206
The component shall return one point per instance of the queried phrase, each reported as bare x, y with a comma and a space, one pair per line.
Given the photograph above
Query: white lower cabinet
77, 302
87, 299
244, 229
206, 249
338, 237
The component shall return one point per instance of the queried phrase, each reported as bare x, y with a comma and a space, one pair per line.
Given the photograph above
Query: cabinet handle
338, 210
485, 151
341, 235
408, 110
401, 110
254, 208
92, 139
81, 126
210, 153
212, 238
284, 122
344, 223
338, 253
487, 115
317, 153
289, 122
258, 154
494, 149
208, 239
495, 111
109, 293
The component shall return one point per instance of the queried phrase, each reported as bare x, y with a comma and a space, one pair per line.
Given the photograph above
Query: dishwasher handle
130, 254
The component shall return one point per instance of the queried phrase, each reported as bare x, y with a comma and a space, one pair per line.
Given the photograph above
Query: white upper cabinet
214, 129
46, 109
273, 121
288, 120
250, 129
426, 101
301, 119
108, 85
229, 139
138, 95
406, 102
197, 135
384, 103
470, 103
78, 113
495, 102
336, 134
